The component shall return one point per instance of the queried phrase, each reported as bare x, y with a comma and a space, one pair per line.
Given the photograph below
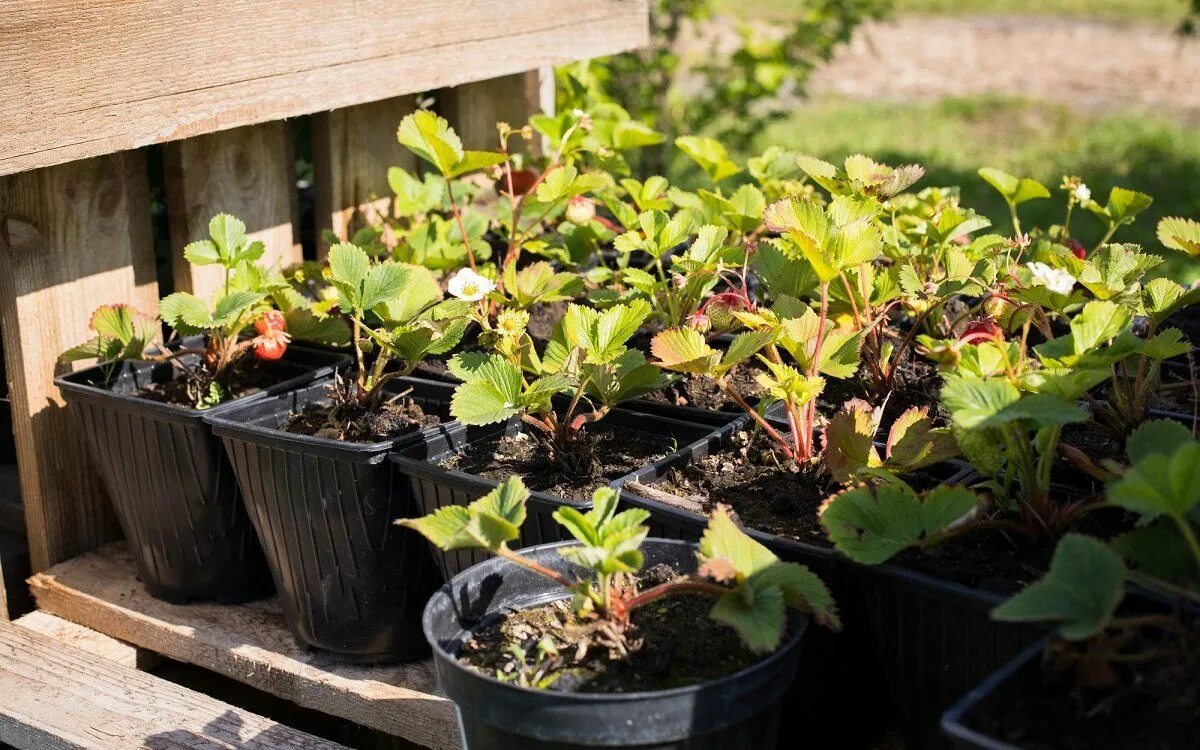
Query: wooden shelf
249, 643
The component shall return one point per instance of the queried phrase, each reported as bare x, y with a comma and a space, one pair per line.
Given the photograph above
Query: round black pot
350, 582
169, 481
737, 712
958, 723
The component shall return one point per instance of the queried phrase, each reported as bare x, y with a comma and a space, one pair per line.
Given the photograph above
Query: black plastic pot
168, 479
350, 582
434, 486
1009, 679
930, 640
737, 712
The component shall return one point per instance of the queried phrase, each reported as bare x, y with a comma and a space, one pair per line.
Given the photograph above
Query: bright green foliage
1162, 484
538, 283
871, 524
862, 176
121, 333
1015, 190
189, 315
228, 245
1081, 591
431, 138
1180, 234
489, 523
912, 442
840, 236
1123, 206
609, 542
763, 587
710, 155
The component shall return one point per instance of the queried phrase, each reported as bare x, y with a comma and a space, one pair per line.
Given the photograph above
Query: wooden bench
89, 87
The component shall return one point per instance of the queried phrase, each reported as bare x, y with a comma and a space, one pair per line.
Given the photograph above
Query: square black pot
349, 580
434, 486
169, 481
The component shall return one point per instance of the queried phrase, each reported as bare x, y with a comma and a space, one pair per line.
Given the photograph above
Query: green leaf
201, 253
445, 528
228, 234
348, 267
871, 524
1082, 589
1156, 437
684, 350
431, 138
1160, 483
710, 155
328, 330
602, 335
186, 313
631, 134
978, 403
488, 523
722, 539
849, 437
1015, 190
1159, 550
491, 393
1180, 234
473, 161
383, 282
913, 442
231, 307
1123, 206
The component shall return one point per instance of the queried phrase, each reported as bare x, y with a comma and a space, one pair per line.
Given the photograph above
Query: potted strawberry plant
313, 459
142, 410
1118, 670
604, 640
553, 417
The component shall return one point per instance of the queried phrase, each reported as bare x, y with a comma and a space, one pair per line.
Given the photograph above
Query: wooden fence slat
248, 172
72, 237
352, 150
475, 108
89, 77
54, 696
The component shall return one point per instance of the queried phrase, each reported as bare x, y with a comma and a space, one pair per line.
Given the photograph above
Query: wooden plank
89, 77
475, 108
72, 237
248, 172
249, 643
352, 150
53, 695
88, 640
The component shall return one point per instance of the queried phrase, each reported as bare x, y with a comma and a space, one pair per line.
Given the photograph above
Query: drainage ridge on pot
434, 486
350, 581
169, 481
737, 711
955, 723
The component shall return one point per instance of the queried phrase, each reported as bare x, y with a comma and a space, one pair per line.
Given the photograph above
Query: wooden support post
475, 108
352, 150
72, 237
248, 172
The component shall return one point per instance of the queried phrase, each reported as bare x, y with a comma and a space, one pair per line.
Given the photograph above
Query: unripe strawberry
1077, 248
581, 210
982, 450
720, 309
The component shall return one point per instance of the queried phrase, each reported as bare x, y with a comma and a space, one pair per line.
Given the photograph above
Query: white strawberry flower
469, 286
1082, 193
1054, 279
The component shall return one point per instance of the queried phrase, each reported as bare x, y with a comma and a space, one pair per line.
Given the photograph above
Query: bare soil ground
1084, 64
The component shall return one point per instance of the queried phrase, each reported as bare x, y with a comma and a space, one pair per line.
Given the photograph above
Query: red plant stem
525, 562
728, 391
675, 587
461, 227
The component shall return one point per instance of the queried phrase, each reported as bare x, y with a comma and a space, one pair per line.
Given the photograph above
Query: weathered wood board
54, 696
249, 643
89, 77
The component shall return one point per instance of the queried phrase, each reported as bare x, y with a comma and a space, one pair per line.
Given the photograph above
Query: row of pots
196, 493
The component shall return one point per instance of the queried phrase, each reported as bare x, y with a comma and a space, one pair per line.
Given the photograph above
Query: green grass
954, 137
1160, 11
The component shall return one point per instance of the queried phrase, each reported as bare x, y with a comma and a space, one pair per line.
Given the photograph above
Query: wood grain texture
53, 695
248, 172
249, 643
88, 640
352, 150
72, 237
475, 108
89, 77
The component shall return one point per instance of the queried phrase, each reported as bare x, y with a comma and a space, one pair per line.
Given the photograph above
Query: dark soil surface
248, 376
673, 644
543, 318
434, 369
391, 421
1154, 705
767, 493
607, 454
916, 382
702, 393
